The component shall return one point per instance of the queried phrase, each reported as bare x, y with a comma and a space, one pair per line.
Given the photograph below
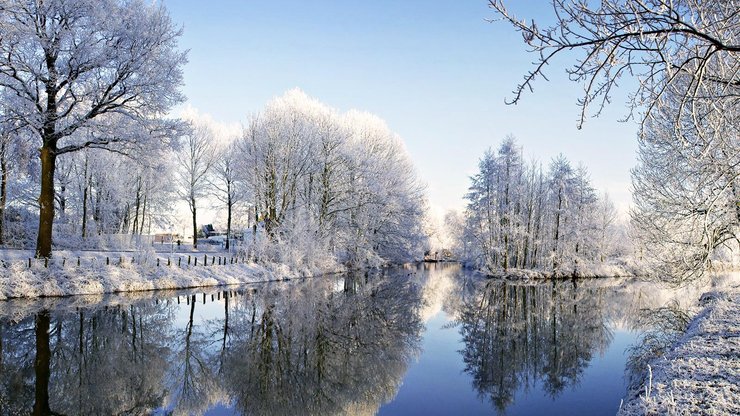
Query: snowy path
700, 375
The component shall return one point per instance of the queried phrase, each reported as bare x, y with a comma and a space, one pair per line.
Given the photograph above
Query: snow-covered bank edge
700, 373
19, 281
608, 269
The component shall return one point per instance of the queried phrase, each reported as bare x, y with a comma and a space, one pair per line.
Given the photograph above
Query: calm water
425, 340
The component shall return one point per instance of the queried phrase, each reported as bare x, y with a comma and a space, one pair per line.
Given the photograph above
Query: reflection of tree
319, 350
316, 347
518, 335
195, 387
17, 367
96, 361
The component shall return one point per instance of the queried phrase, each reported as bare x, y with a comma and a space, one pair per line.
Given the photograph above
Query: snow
613, 268
94, 276
700, 374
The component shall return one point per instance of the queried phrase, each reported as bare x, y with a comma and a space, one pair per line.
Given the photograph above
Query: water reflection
323, 346
518, 335
339, 345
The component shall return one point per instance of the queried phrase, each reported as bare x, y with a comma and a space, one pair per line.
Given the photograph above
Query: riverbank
700, 373
612, 268
105, 272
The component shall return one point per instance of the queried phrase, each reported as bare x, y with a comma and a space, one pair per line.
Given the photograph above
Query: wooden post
179, 261
168, 262
204, 298
188, 260
107, 260
211, 297
205, 260
64, 260
157, 261
196, 261
46, 262
213, 260
29, 262
78, 262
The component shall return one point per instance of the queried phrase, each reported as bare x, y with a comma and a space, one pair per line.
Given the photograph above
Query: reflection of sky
438, 385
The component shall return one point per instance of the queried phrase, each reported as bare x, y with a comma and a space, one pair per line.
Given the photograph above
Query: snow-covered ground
700, 374
612, 268
110, 272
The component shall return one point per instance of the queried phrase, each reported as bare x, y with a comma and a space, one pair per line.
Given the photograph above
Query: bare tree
655, 41
194, 162
86, 74
228, 183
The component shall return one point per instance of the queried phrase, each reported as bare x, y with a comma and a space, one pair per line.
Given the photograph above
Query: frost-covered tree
687, 189
194, 162
662, 44
330, 187
87, 74
227, 183
521, 217
684, 56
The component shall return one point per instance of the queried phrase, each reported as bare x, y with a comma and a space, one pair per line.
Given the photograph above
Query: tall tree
86, 74
195, 160
227, 182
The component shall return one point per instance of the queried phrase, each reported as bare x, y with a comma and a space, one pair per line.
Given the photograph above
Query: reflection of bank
518, 335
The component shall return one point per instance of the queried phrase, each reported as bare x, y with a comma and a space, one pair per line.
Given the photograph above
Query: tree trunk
84, 202
42, 365
228, 222
46, 201
143, 214
195, 223
3, 191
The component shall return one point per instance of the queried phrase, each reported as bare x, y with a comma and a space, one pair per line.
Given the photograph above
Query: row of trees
314, 185
323, 182
90, 84
520, 215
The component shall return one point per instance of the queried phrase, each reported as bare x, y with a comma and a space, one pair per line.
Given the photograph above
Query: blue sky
436, 71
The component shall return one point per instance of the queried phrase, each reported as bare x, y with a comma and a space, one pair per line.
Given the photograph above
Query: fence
205, 260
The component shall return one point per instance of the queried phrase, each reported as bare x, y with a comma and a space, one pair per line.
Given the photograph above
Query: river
431, 339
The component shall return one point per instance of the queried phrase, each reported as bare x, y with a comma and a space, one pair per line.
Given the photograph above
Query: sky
437, 71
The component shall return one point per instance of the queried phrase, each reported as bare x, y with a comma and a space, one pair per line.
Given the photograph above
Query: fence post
29, 262
205, 260
213, 260
157, 261
196, 261
188, 260
46, 262
179, 261
107, 261
168, 262
64, 260
78, 262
